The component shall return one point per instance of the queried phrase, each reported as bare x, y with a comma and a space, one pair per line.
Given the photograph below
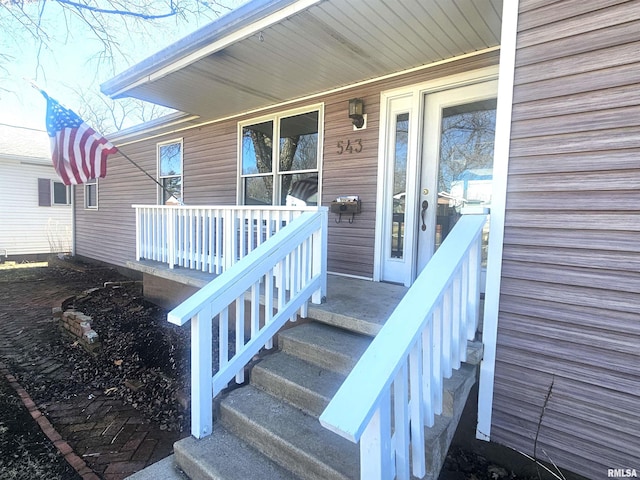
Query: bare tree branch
108, 116
26, 17
128, 13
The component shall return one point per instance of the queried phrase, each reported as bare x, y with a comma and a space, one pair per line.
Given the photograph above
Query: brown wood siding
569, 305
210, 175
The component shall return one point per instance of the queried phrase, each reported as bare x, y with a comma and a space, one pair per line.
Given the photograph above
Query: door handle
425, 205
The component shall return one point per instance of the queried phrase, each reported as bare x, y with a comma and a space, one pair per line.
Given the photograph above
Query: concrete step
303, 384
475, 352
361, 306
288, 436
269, 429
325, 346
456, 387
438, 438
223, 456
165, 469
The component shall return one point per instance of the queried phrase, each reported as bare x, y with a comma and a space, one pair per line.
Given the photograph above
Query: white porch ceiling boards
329, 44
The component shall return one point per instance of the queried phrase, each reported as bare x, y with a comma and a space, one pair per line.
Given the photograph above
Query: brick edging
76, 462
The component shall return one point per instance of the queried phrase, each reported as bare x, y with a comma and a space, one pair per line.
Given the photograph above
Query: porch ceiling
272, 51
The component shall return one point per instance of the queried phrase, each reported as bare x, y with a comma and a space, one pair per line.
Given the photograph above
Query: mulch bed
25, 451
143, 359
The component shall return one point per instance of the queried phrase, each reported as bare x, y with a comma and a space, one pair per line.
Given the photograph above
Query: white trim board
498, 205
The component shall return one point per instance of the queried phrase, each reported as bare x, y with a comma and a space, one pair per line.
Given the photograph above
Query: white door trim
416, 93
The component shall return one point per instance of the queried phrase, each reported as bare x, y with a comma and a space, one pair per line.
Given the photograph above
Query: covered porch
273, 272
267, 62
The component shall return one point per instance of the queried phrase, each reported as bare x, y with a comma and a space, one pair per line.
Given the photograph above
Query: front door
438, 159
457, 160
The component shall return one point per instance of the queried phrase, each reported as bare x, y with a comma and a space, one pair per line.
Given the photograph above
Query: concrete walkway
109, 440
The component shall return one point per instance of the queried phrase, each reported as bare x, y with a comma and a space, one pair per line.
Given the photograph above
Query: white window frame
160, 190
89, 183
275, 172
53, 194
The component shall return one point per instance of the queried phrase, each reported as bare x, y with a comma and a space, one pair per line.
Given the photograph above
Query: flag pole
147, 174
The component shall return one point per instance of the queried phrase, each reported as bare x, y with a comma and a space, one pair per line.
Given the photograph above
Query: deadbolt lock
425, 191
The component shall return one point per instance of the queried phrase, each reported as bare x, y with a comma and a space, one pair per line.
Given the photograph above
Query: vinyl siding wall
569, 324
25, 227
210, 175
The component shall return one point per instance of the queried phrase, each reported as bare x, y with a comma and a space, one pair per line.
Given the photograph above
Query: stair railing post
319, 260
201, 374
473, 305
375, 444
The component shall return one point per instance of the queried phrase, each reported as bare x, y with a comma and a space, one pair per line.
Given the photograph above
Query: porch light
356, 112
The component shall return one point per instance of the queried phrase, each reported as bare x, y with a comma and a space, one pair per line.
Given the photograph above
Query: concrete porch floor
355, 304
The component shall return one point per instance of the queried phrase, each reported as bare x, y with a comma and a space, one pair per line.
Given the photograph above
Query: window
91, 194
61, 194
170, 172
293, 178
51, 193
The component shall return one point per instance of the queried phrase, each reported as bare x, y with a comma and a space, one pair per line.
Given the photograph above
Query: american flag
78, 152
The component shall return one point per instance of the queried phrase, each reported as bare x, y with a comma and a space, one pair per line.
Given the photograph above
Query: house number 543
349, 146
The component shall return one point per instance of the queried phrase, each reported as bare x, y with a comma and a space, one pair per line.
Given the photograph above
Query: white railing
207, 238
396, 388
263, 290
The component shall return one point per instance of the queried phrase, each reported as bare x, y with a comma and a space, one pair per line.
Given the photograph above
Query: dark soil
25, 452
143, 359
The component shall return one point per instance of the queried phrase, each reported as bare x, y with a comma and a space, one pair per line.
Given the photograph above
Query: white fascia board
217, 45
170, 122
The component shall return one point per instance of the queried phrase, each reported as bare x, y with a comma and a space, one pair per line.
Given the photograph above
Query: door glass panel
465, 171
399, 185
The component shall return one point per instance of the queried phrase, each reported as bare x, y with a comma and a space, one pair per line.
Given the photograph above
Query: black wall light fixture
356, 112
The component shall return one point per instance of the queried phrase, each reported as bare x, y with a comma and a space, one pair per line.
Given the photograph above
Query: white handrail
206, 238
287, 270
396, 386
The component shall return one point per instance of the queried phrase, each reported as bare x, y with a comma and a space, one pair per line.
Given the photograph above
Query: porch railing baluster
425, 335
240, 283
210, 239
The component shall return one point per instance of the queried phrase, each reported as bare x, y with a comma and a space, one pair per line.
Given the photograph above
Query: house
35, 217
388, 104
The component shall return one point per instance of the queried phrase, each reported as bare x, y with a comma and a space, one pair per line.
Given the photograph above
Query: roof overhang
273, 51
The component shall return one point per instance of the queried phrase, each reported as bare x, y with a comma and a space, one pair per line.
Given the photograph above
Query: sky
69, 60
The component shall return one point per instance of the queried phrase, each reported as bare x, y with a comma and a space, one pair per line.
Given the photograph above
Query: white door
457, 160
435, 162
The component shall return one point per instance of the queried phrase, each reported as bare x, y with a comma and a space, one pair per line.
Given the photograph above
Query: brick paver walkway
111, 438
